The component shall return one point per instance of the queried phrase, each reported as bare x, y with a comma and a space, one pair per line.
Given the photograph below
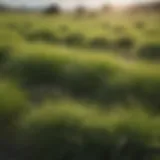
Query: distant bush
124, 43
99, 42
71, 131
41, 35
74, 39
53, 9
150, 52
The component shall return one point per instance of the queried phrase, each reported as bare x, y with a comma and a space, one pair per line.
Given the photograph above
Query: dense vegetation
79, 87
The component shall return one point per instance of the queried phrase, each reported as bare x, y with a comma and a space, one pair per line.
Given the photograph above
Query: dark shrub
53, 9
124, 43
38, 70
150, 51
74, 39
99, 42
84, 82
41, 35
4, 54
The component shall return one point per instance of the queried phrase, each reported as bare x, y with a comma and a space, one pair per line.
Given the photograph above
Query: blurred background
80, 80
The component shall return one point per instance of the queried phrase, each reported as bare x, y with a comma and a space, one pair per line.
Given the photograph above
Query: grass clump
42, 35
74, 39
124, 43
71, 131
12, 104
86, 81
38, 70
150, 52
99, 42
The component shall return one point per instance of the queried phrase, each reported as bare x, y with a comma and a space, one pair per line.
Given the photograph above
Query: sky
70, 3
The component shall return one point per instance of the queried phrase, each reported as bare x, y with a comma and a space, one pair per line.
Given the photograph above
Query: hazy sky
70, 3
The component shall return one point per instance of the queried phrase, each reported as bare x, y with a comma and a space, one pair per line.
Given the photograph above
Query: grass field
79, 87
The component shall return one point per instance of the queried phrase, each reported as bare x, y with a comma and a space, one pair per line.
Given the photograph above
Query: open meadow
80, 87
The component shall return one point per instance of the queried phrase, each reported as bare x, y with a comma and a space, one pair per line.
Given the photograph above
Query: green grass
13, 103
60, 60
81, 73
69, 129
114, 66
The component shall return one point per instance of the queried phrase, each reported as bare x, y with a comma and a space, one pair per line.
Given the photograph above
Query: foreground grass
74, 129
68, 129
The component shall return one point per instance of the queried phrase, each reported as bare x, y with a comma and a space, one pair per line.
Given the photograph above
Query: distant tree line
53, 9
152, 6
3, 8
79, 10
